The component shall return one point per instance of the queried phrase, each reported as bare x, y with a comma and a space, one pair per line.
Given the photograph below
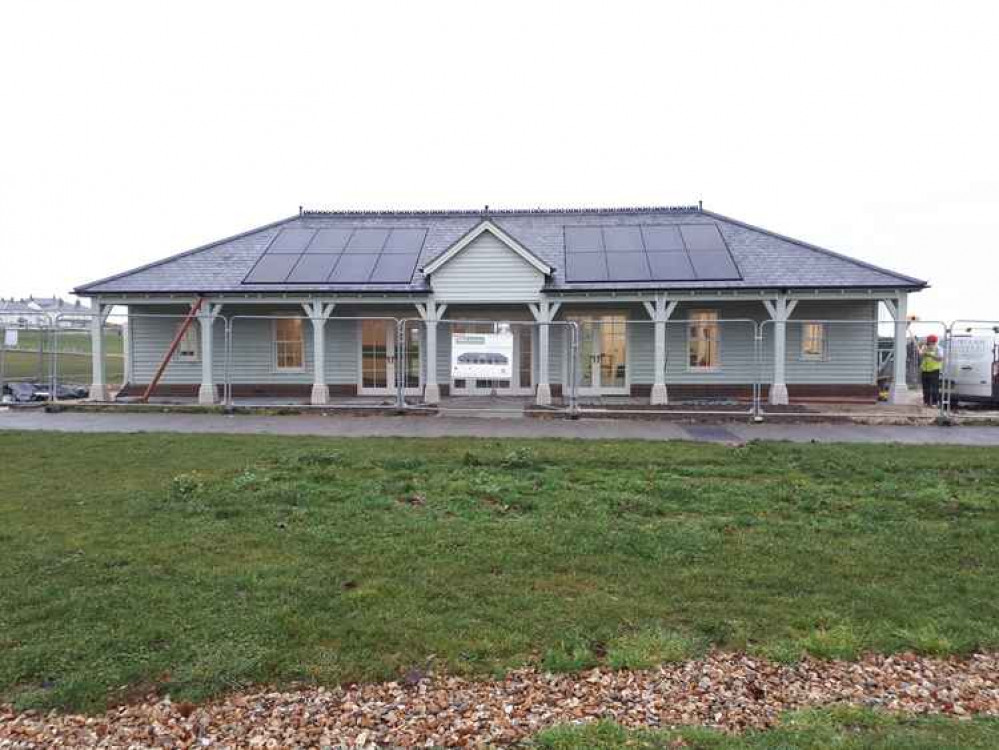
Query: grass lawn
197, 564
844, 729
74, 357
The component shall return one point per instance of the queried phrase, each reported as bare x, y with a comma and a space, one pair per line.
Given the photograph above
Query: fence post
757, 406
572, 374
401, 351
53, 360
946, 383
3, 357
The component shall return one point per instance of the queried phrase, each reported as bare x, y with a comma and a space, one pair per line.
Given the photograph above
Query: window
703, 339
289, 344
188, 349
813, 341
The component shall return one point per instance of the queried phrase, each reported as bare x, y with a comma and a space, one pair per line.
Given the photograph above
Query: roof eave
84, 290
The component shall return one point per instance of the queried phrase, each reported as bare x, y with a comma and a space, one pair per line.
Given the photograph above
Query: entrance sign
482, 356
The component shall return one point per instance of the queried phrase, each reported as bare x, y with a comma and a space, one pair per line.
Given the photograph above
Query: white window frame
194, 332
274, 346
691, 317
821, 355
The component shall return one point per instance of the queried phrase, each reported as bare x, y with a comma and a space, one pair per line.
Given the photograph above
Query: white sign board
10, 337
482, 356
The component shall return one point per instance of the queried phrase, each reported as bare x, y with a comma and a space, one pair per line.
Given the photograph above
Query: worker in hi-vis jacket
930, 365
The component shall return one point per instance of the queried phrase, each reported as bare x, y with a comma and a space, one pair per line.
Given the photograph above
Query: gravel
727, 691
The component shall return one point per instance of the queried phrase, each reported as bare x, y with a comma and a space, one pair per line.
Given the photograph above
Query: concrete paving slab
443, 426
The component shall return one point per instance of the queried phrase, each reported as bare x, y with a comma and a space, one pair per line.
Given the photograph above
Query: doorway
603, 353
521, 382
379, 362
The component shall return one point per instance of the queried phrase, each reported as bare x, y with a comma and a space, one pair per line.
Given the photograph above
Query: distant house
35, 312
649, 289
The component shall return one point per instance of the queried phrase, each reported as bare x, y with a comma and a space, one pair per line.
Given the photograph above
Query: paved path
438, 426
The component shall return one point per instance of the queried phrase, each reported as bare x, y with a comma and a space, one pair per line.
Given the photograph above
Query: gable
487, 269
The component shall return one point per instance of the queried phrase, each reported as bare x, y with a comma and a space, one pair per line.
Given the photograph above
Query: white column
431, 313
319, 313
780, 310
544, 313
900, 310
660, 312
98, 385
207, 393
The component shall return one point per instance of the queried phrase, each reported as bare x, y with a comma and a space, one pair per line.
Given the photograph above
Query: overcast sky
128, 134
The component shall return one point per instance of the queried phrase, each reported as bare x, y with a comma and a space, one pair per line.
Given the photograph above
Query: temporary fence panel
55, 360
823, 360
71, 357
708, 363
267, 356
486, 364
270, 359
150, 336
24, 354
706, 351
832, 360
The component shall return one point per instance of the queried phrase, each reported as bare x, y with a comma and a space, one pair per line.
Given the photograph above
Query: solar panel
653, 252
340, 255
586, 267
628, 267
367, 240
312, 267
714, 264
291, 240
394, 268
671, 266
699, 237
662, 239
330, 240
583, 239
353, 268
405, 241
623, 240
271, 269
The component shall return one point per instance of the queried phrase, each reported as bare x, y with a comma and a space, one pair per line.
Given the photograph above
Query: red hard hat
932, 339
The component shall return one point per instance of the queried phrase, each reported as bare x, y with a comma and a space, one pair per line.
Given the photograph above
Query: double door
380, 359
603, 353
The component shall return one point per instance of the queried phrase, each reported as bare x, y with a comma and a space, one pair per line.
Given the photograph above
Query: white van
973, 369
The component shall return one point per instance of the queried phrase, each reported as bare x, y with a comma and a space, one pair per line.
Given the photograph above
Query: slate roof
765, 259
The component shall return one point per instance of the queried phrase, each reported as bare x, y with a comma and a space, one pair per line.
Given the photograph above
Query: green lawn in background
73, 360
200, 563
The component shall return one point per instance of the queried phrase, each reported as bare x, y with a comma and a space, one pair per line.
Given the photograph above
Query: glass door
413, 351
613, 340
377, 357
603, 353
